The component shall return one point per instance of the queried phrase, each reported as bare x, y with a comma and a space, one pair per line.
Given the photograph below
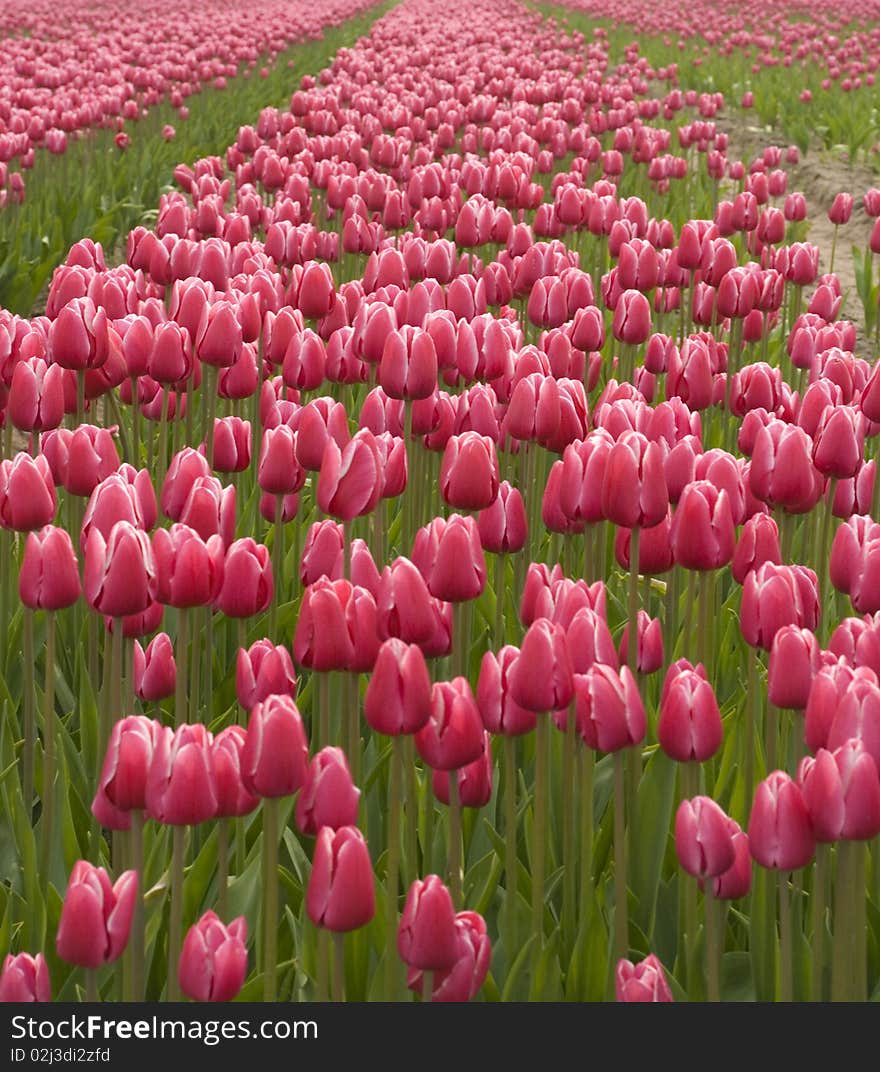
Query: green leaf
656, 798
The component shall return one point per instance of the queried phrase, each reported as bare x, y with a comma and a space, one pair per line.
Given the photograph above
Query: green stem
510, 855
48, 746
427, 986
539, 848
621, 925
859, 922
277, 565
352, 704
181, 700
222, 866
751, 723
568, 814
92, 994
455, 878
820, 904
713, 946
175, 923
786, 978
209, 386
500, 563
324, 708
393, 871
339, 967
633, 601
270, 898
771, 736
29, 699
322, 979
138, 941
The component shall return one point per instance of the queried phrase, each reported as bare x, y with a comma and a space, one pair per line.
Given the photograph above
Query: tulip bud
24, 978
261, 671
275, 758
645, 981
213, 961
608, 708
463, 980
247, 587
689, 728
427, 937
794, 660
780, 832
541, 678
341, 894
233, 799
27, 493
96, 916
329, 798
181, 787
469, 472
120, 573
453, 735
703, 838
49, 577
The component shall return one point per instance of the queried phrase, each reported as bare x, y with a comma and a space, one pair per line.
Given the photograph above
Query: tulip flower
541, 678
427, 937
841, 790
328, 798
350, 480
453, 735
49, 576
120, 573
341, 894
24, 978
689, 728
181, 787
247, 587
463, 980
233, 799
213, 961
703, 838
780, 832
274, 761
96, 916
645, 981
469, 472
261, 671
398, 697
27, 493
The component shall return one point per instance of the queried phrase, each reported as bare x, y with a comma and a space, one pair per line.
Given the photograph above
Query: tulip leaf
511, 980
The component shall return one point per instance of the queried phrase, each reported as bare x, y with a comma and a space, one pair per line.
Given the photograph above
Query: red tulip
96, 916
427, 937
274, 761
463, 980
263, 670
49, 577
780, 832
609, 711
233, 799
24, 978
703, 838
181, 783
689, 727
247, 587
341, 894
27, 493
213, 961
645, 981
541, 678
120, 573
328, 798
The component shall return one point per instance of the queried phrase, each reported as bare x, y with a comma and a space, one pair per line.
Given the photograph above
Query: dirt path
820, 177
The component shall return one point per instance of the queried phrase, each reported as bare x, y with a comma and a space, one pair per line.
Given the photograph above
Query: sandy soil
820, 176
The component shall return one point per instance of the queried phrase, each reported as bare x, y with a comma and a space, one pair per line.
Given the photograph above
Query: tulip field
439, 530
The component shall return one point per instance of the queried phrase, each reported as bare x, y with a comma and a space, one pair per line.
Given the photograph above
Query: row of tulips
553, 451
